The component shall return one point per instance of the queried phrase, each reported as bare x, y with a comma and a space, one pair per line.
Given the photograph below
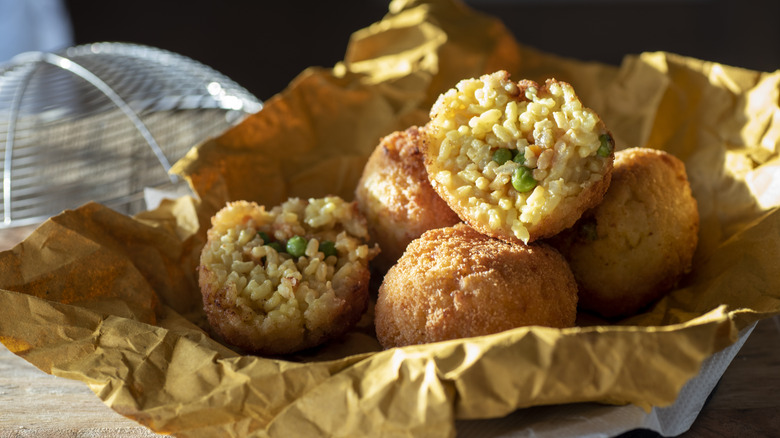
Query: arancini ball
396, 198
282, 280
635, 246
455, 282
518, 161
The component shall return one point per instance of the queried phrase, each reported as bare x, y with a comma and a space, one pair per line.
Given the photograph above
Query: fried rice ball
396, 198
279, 281
517, 161
455, 282
635, 246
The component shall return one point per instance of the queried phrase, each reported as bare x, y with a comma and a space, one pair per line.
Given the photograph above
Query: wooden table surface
746, 402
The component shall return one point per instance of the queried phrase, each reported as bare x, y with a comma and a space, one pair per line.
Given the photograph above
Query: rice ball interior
282, 280
518, 161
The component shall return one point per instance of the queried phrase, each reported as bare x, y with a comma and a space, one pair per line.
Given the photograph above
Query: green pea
519, 157
328, 248
263, 235
502, 155
275, 245
296, 246
607, 144
523, 180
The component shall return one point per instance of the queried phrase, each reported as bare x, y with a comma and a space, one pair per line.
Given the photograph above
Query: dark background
264, 45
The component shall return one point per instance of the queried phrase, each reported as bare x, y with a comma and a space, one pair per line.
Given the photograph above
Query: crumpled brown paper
112, 301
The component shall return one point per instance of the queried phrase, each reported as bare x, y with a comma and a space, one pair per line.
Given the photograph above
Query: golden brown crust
396, 198
455, 282
636, 245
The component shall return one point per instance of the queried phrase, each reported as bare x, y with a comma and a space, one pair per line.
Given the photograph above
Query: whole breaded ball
455, 282
282, 280
396, 198
517, 161
635, 246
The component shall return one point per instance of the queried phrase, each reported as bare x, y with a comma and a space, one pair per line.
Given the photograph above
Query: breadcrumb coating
396, 198
455, 282
636, 245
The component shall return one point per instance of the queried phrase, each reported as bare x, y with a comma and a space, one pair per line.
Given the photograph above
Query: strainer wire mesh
102, 122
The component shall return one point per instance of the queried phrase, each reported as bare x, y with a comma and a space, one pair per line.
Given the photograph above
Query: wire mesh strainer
103, 122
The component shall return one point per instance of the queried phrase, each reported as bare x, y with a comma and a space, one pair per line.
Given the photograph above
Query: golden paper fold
112, 301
